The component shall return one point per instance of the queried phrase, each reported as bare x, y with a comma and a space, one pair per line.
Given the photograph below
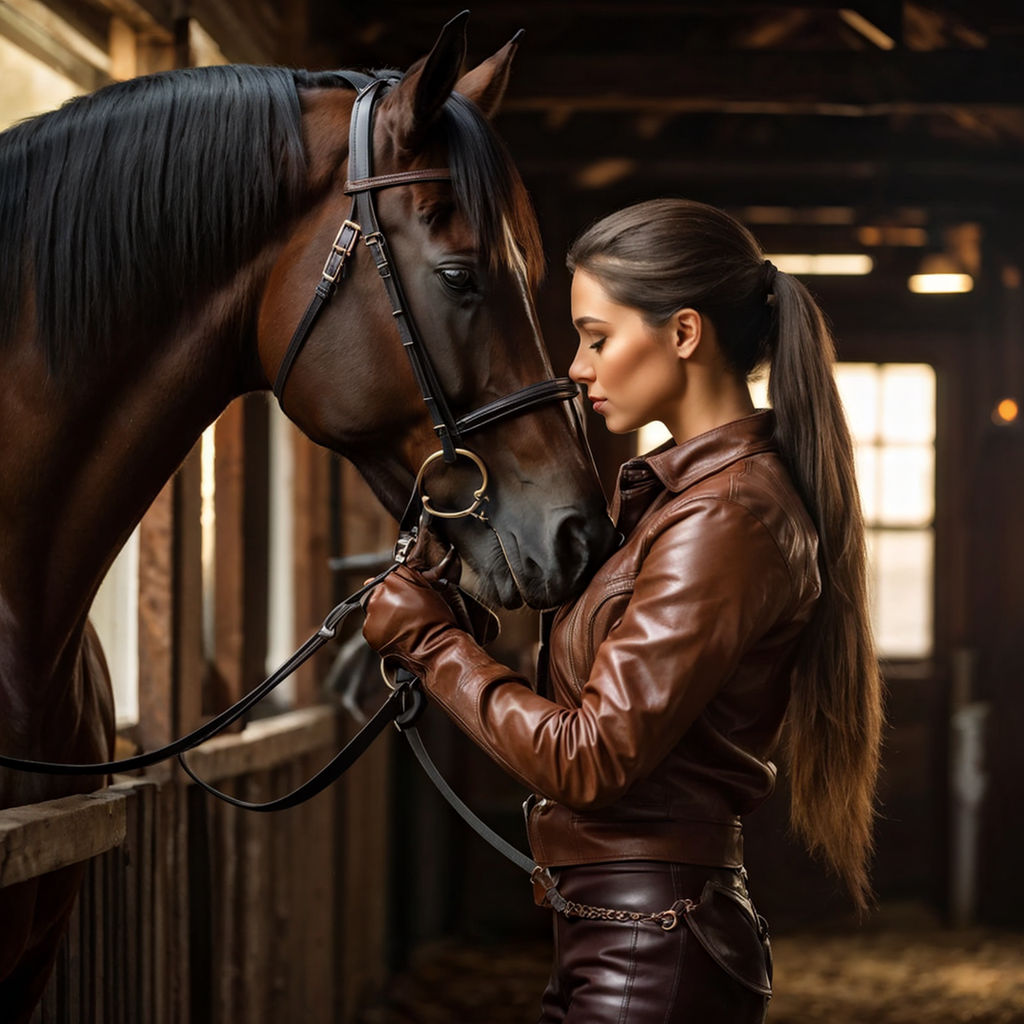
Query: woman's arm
711, 585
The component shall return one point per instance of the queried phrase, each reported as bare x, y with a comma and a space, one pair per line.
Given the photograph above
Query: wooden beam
32, 38
762, 142
245, 30
39, 838
969, 190
189, 660
151, 18
313, 584
157, 723
842, 84
266, 744
226, 682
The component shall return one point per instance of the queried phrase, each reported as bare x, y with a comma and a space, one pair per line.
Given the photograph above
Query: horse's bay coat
159, 241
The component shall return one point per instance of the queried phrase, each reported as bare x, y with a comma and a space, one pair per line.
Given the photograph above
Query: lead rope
219, 722
540, 876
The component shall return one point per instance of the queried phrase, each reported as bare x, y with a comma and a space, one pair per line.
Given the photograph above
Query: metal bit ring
479, 495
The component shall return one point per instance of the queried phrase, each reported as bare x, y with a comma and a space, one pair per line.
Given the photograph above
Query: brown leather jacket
668, 677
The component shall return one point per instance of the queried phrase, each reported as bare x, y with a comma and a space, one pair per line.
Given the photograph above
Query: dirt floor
900, 968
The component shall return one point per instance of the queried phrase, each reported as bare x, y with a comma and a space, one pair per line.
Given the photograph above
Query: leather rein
406, 701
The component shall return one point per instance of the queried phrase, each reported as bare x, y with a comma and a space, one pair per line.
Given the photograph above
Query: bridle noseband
362, 221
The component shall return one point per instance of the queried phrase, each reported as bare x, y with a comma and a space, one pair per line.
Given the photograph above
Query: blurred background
876, 149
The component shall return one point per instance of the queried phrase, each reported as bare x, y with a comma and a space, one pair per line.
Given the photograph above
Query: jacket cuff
456, 673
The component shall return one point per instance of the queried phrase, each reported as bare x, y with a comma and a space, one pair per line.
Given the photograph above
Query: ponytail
834, 722
667, 254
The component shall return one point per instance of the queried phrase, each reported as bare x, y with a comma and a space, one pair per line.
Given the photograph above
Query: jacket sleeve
713, 582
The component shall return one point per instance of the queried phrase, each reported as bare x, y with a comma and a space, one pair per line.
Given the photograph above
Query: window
891, 411
281, 624
28, 86
115, 615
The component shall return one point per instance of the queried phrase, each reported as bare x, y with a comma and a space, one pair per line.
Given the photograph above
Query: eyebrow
583, 321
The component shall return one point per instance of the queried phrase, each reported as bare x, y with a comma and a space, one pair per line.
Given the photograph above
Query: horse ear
428, 83
485, 85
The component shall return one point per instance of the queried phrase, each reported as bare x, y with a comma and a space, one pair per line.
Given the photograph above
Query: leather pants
715, 969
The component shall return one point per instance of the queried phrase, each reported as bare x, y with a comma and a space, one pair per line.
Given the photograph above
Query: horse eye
458, 279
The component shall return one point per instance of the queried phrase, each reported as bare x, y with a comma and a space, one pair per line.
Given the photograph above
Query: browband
398, 178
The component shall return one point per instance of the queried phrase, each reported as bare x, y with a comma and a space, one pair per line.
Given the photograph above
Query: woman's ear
688, 326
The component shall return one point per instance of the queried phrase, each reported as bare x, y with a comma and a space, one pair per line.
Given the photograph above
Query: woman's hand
405, 611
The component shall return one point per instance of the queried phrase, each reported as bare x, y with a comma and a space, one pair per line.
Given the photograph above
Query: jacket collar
679, 466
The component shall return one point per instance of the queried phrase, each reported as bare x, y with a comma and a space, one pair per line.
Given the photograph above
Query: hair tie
768, 272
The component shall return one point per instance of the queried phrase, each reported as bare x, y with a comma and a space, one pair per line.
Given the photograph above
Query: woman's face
633, 373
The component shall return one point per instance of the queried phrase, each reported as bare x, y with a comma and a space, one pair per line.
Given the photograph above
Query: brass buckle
479, 495
339, 253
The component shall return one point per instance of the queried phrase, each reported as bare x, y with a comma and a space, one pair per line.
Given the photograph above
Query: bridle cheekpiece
362, 221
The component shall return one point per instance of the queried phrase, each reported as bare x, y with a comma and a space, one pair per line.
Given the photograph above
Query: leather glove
415, 604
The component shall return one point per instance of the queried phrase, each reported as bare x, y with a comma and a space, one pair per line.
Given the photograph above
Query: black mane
122, 208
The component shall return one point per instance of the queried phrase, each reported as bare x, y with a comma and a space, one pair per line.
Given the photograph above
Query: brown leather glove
416, 603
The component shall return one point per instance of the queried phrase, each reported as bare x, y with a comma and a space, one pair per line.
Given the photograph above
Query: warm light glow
651, 436
208, 533
602, 173
868, 29
893, 235
853, 264
940, 284
1006, 411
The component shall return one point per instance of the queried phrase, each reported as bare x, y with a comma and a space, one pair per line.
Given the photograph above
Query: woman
735, 602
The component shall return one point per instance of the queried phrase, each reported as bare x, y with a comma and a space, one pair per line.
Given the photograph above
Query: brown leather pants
714, 969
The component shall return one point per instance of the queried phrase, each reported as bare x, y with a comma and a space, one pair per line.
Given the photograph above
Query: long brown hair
670, 254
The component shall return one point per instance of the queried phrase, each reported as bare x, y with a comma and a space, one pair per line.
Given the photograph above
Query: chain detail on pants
613, 966
668, 919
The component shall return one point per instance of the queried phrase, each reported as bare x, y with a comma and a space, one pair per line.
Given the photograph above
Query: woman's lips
599, 404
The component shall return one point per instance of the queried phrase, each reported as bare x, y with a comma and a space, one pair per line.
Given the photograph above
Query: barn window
281, 624
115, 615
891, 411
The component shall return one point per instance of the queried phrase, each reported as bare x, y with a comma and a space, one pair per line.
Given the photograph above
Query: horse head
467, 253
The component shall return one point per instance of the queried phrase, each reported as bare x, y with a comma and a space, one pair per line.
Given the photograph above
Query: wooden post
312, 546
226, 683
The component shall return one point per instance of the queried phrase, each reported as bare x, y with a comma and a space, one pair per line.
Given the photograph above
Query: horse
159, 241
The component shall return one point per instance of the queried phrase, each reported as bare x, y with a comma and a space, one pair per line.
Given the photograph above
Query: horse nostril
580, 545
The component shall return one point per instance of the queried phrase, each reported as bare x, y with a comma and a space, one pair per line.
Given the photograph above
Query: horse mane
123, 206
126, 206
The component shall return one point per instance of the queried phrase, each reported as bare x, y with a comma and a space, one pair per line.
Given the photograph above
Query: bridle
362, 185
406, 701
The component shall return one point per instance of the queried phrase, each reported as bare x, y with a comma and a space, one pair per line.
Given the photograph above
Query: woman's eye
596, 346
458, 279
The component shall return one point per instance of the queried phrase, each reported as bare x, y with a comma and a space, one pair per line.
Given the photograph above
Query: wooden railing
193, 911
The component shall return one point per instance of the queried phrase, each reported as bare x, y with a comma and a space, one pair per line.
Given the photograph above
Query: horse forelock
489, 191
122, 208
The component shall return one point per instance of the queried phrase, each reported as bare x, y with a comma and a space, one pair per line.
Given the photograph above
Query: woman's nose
580, 369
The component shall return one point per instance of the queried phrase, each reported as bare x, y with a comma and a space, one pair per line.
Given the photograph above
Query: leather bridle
406, 701
362, 186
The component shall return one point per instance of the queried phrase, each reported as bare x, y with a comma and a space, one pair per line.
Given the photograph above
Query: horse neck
80, 466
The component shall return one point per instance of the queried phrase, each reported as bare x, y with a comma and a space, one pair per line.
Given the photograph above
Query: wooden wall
191, 910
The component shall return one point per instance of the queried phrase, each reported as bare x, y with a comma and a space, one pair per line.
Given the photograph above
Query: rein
406, 701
